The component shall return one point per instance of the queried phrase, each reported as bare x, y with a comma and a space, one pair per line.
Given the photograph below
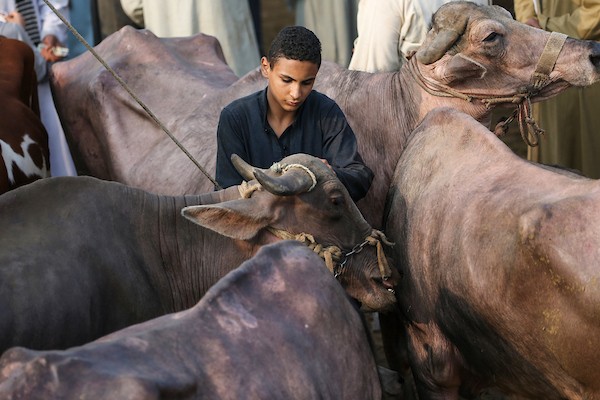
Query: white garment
61, 162
48, 22
334, 23
388, 30
230, 21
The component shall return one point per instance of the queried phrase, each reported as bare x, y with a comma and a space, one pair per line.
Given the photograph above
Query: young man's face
290, 82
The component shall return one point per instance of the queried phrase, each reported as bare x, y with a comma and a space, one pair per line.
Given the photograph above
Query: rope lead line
128, 90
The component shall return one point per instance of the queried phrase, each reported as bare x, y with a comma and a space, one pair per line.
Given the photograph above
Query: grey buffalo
501, 266
278, 327
82, 257
474, 59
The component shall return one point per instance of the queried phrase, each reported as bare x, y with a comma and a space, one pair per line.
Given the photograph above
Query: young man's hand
15, 17
326, 163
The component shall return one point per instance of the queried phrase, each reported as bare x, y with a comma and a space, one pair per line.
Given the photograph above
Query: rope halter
333, 254
246, 189
539, 79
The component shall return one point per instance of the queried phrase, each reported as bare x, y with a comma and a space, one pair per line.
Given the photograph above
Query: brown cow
24, 153
491, 58
277, 327
96, 256
501, 266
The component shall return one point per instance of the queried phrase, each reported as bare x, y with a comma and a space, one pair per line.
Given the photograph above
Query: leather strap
547, 60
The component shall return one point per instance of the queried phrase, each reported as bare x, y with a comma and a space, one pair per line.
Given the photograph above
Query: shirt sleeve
582, 23
51, 24
341, 151
229, 141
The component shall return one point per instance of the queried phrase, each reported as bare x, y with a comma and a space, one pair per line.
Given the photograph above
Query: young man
289, 117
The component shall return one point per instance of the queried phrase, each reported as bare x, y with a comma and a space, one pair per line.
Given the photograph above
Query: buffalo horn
294, 181
442, 41
246, 170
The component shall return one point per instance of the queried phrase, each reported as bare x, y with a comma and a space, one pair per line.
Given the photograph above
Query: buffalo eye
337, 200
492, 37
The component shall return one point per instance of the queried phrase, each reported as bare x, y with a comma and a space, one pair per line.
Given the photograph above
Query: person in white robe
390, 30
334, 23
53, 32
230, 21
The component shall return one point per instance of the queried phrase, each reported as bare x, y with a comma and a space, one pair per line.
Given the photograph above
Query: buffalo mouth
387, 283
551, 90
380, 297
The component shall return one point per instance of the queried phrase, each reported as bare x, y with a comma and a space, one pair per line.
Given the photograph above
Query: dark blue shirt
320, 129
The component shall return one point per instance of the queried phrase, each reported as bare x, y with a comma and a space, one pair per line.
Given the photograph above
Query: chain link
356, 249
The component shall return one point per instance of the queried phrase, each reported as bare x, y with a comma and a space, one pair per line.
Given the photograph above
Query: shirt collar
262, 103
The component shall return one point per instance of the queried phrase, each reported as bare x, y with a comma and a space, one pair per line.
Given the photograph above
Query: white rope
283, 168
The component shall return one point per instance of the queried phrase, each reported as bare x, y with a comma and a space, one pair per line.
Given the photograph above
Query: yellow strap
548, 59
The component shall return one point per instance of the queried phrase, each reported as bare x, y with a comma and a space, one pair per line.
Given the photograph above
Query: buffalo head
301, 198
470, 45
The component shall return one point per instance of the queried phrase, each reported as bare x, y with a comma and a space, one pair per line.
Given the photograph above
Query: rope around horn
246, 189
128, 90
282, 168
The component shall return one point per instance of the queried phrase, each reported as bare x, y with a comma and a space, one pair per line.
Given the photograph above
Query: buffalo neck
192, 258
382, 109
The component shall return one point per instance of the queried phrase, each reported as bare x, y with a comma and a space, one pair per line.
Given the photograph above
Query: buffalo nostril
595, 55
595, 59
387, 283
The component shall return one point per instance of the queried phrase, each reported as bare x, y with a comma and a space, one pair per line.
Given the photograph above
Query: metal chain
356, 249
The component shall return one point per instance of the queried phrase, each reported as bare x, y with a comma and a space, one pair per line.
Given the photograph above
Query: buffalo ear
459, 68
237, 219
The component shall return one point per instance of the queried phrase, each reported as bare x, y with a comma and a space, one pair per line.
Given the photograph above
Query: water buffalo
474, 58
24, 152
277, 327
82, 257
501, 266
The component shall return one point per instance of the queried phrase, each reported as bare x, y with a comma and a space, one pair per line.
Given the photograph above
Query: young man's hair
295, 43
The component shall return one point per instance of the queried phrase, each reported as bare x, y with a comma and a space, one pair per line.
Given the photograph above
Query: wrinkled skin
96, 256
187, 84
500, 266
278, 327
